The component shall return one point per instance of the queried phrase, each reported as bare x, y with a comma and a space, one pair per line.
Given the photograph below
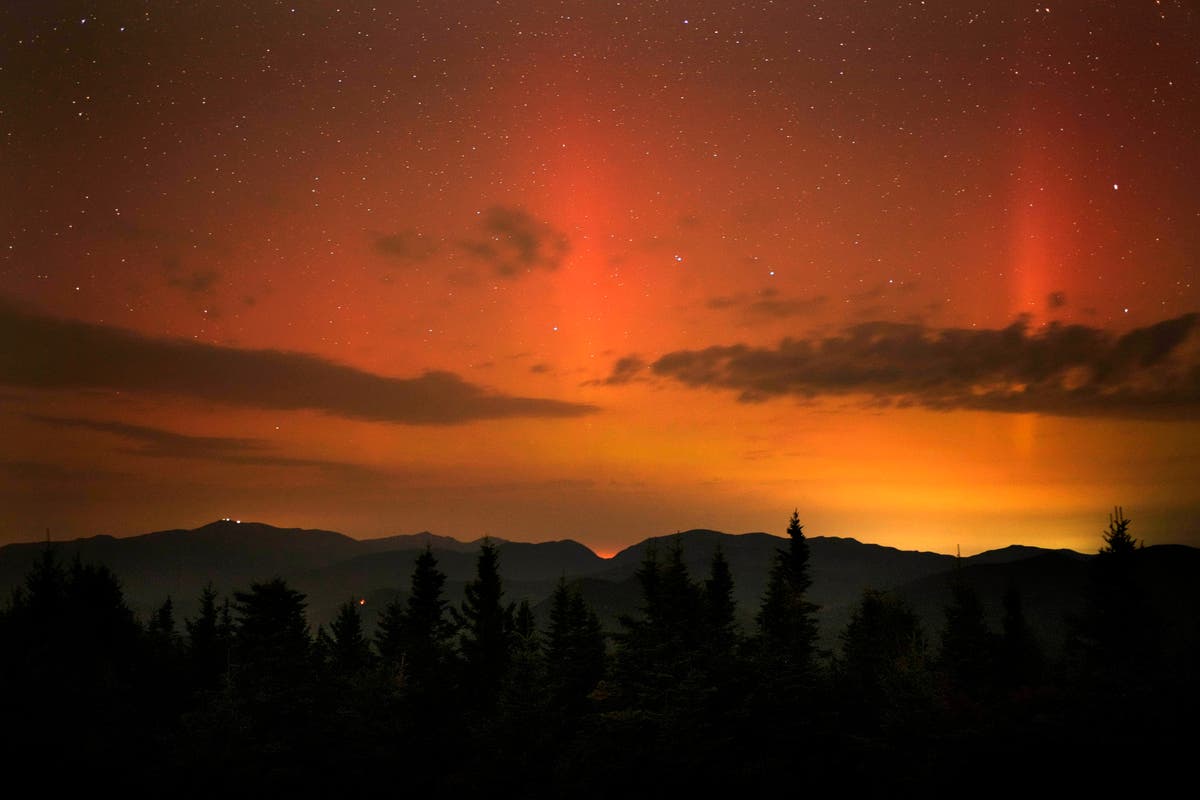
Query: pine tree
669, 627
787, 619
72, 659
1022, 658
524, 625
524, 693
637, 672
273, 678
167, 675
574, 650
882, 667
271, 643
350, 652
485, 625
418, 635
46, 586
968, 647
162, 623
322, 649
209, 641
679, 609
389, 635
559, 636
1120, 636
720, 609
101, 619
659, 663
728, 689
1118, 542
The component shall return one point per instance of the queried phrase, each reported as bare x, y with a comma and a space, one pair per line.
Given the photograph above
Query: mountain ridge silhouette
329, 567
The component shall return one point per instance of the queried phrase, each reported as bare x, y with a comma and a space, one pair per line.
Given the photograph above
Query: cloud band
47, 353
1070, 370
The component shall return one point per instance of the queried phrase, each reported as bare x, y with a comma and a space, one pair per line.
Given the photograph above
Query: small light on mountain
362, 601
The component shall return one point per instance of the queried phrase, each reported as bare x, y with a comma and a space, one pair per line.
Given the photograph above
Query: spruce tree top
1117, 540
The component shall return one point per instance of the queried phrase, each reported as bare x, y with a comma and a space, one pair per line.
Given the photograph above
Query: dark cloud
884, 290
1056, 300
40, 472
541, 369
625, 370
161, 443
883, 299
514, 242
770, 306
183, 250
1151, 372
767, 302
725, 301
199, 281
47, 353
406, 246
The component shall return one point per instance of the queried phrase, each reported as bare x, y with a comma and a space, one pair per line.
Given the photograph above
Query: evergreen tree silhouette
274, 689
638, 672
1119, 630
273, 666
574, 649
968, 651
209, 639
162, 622
414, 636
679, 609
521, 727
166, 676
882, 669
659, 649
720, 609
787, 619
485, 626
350, 652
389, 635
524, 624
1022, 660
72, 662
322, 649
725, 676
1118, 542
271, 630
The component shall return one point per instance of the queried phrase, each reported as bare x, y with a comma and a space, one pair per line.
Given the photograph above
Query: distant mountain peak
1018, 552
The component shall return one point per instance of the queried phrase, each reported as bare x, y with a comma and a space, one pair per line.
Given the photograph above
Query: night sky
926, 271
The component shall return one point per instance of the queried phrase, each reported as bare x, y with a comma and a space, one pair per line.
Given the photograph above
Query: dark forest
678, 699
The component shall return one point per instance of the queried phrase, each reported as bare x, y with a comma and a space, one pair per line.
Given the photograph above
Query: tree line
451, 699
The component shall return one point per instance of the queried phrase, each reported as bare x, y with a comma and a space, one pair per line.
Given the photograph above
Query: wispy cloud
48, 353
408, 245
514, 242
195, 282
767, 303
160, 443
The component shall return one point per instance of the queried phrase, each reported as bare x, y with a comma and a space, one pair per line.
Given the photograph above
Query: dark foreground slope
675, 703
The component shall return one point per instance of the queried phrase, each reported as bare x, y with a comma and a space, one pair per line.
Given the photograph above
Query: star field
637, 259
